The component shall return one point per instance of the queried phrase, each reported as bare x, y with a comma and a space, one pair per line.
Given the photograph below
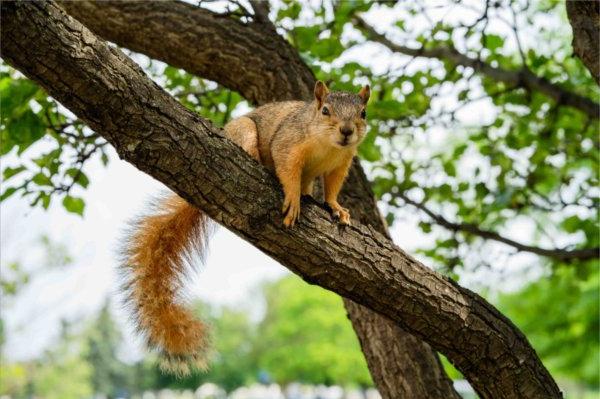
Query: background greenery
304, 335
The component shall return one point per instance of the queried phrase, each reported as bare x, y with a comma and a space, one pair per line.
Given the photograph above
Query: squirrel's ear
365, 93
321, 91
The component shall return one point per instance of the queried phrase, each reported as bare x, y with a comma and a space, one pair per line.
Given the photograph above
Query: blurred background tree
483, 133
305, 335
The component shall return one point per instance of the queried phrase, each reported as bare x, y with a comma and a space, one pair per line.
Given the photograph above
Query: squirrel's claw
343, 215
340, 213
291, 211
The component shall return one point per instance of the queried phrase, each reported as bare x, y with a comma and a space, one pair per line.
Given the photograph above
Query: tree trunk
161, 137
584, 17
255, 61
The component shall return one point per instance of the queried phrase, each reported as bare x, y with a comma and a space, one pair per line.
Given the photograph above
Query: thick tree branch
584, 17
241, 57
516, 78
470, 228
390, 351
154, 132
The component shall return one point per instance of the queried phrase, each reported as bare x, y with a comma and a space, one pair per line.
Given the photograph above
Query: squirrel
299, 141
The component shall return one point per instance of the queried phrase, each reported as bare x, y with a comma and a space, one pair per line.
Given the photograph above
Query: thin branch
470, 228
261, 12
522, 77
514, 27
484, 16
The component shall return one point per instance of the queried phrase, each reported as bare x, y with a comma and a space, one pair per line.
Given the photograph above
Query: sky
233, 269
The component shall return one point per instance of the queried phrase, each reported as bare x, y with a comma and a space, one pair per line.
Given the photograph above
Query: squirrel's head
341, 115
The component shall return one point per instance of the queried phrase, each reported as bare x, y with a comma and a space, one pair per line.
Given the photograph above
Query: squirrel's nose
346, 131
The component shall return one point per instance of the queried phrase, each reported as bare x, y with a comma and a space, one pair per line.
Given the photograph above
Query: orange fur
155, 263
333, 182
289, 172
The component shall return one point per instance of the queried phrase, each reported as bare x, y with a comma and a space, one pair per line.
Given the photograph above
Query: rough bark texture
401, 365
247, 58
584, 17
406, 379
154, 132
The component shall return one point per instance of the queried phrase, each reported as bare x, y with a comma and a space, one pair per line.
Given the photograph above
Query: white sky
233, 267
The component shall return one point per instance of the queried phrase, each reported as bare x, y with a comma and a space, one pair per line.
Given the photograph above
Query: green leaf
74, 204
10, 172
493, 42
41, 180
78, 177
572, 224
426, 227
389, 218
7, 193
15, 95
46, 200
23, 131
449, 168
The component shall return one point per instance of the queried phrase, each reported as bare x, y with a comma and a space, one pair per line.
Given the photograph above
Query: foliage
205, 97
306, 336
102, 341
234, 361
13, 379
526, 156
61, 361
233, 358
54, 167
567, 306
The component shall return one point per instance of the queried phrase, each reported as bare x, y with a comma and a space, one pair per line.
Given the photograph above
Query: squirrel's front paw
291, 211
340, 213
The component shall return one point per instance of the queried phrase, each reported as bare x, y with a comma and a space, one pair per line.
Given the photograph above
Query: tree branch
153, 131
263, 67
583, 17
261, 11
241, 57
470, 228
518, 78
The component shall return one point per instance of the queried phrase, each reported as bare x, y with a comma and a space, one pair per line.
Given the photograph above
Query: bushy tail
156, 256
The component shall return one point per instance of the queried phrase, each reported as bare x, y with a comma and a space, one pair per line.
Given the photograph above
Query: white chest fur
322, 159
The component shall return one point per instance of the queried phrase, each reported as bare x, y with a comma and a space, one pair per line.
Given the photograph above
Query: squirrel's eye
363, 114
325, 111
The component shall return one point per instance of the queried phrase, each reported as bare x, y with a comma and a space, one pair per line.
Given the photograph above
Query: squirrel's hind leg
243, 132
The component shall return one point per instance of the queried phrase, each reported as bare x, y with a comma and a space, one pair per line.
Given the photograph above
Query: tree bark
248, 58
584, 17
255, 61
154, 132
